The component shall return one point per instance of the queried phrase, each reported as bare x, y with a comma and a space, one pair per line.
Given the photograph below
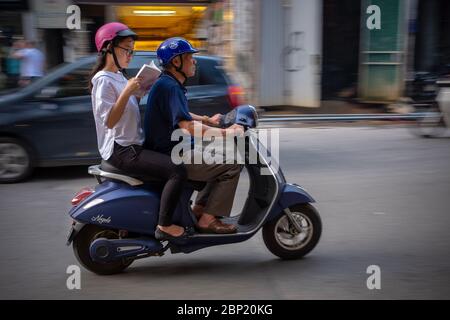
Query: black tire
272, 238
14, 152
81, 245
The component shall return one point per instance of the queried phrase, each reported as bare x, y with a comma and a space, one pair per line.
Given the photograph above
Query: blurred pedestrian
3, 56
12, 65
31, 62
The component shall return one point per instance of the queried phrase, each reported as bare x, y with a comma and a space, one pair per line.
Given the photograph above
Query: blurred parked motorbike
429, 93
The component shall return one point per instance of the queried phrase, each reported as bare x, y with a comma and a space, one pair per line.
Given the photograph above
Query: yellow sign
153, 24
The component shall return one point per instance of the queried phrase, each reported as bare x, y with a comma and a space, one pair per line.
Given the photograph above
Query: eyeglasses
130, 52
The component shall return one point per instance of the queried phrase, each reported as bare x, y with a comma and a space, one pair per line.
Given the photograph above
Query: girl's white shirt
106, 89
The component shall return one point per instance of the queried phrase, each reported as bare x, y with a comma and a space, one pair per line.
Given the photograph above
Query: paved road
384, 198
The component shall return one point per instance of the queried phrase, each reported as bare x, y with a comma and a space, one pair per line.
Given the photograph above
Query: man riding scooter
167, 110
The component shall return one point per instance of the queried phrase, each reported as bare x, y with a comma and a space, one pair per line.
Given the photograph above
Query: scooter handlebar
244, 115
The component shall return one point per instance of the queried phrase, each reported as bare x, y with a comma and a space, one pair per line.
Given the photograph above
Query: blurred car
50, 122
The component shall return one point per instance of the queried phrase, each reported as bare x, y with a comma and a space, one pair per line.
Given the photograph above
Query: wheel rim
108, 234
287, 235
14, 160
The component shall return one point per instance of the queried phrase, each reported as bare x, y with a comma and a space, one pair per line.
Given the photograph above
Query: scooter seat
122, 175
106, 166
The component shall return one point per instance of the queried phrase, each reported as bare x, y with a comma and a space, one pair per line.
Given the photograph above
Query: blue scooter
114, 223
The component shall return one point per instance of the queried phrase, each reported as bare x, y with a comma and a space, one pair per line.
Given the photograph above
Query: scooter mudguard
117, 205
290, 195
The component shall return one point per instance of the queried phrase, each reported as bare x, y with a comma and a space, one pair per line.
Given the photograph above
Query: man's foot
198, 210
210, 224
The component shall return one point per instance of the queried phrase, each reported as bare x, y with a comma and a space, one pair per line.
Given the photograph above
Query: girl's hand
133, 85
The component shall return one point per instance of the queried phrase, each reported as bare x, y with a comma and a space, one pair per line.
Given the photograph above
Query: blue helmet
173, 47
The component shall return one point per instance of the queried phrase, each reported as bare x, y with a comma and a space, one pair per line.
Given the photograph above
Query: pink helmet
109, 31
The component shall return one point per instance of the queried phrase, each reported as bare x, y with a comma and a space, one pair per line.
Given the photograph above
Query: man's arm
189, 127
196, 117
214, 120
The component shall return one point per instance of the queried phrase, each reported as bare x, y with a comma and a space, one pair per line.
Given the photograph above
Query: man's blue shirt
167, 105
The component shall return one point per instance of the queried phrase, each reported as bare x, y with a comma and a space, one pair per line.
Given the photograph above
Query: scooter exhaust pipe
108, 250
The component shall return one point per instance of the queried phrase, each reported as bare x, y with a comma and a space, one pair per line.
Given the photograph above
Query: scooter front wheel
82, 243
284, 240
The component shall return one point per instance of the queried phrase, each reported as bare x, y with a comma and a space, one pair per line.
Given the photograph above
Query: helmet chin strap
111, 50
180, 68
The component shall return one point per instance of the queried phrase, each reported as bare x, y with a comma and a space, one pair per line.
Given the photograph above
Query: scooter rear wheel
82, 243
282, 238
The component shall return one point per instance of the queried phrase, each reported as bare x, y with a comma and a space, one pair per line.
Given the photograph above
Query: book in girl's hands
148, 74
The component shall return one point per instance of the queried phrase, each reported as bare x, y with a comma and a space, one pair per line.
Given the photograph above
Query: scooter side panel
100, 189
120, 207
136, 209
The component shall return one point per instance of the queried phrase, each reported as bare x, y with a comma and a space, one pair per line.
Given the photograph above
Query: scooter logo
101, 220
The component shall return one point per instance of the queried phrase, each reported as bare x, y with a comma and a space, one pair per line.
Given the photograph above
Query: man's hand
215, 119
236, 129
